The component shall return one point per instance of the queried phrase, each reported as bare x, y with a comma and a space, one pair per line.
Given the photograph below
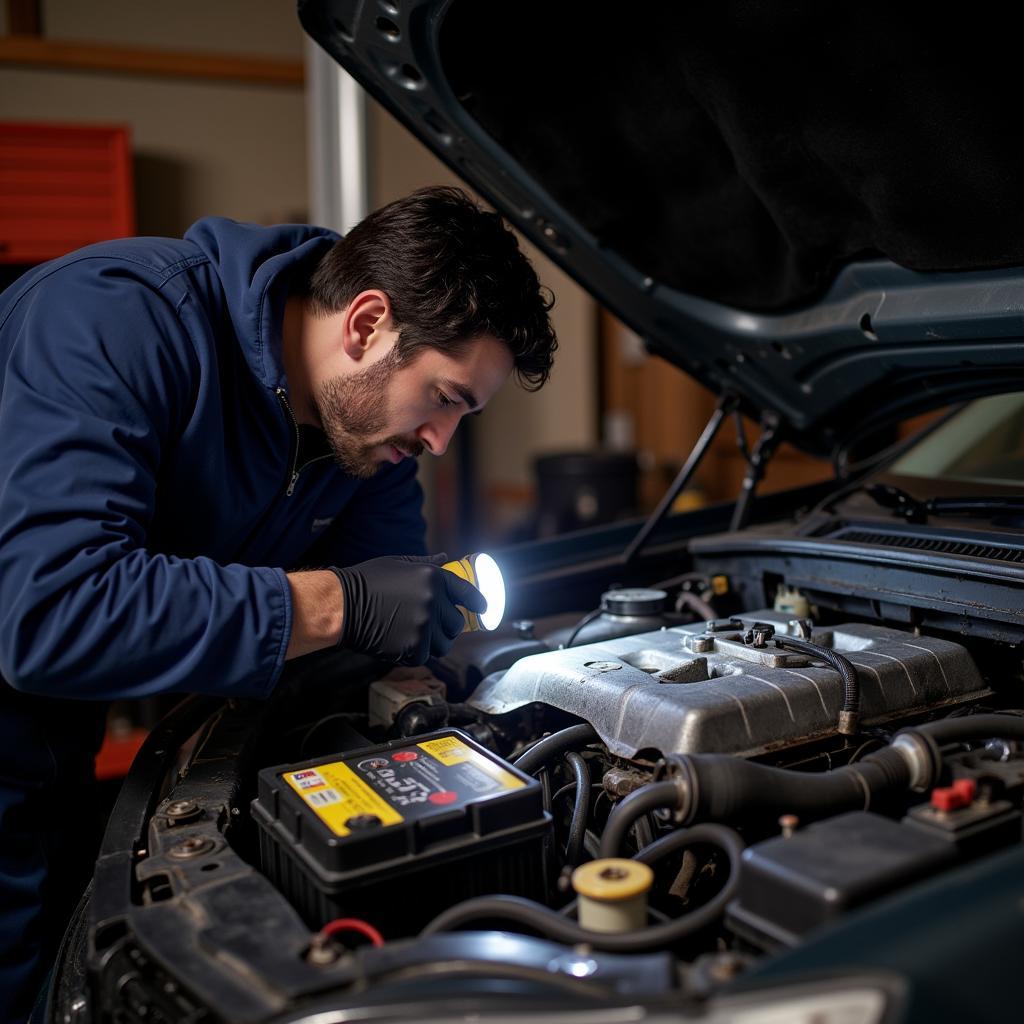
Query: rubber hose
651, 797
554, 926
846, 668
554, 745
578, 822
726, 788
972, 727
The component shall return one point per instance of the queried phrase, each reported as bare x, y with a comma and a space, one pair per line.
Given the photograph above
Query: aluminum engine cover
683, 690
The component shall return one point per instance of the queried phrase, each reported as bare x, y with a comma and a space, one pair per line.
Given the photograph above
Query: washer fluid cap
634, 601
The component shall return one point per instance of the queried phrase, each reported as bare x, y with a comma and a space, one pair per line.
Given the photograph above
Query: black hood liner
744, 152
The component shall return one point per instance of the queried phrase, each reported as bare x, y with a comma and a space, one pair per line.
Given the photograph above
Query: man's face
388, 410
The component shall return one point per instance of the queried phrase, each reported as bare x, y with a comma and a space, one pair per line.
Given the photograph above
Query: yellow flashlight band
482, 571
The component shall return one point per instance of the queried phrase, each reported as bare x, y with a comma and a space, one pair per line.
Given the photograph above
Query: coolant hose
720, 787
552, 746
964, 728
850, 712
652, 797
554, 926
581, 804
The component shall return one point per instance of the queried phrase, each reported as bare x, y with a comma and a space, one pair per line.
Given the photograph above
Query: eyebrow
465, 394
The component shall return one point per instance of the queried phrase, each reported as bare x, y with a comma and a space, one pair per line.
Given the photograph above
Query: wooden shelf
29, 51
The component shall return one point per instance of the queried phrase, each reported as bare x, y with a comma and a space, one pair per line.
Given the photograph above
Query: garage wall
201, 147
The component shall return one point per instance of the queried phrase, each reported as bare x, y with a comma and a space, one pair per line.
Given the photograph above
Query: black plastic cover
789, 886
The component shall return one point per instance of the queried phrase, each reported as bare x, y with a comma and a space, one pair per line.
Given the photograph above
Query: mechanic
184, 423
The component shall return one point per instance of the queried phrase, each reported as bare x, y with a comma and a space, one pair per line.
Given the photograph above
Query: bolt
194, 846
523, 628
182, 810
703, 644
789, 824
322, 954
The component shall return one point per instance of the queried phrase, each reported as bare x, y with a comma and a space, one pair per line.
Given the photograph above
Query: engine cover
687, 690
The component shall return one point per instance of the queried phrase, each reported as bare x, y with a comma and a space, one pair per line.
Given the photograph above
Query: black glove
403, 608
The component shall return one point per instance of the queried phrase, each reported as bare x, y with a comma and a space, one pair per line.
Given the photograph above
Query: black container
580, 489
396, 833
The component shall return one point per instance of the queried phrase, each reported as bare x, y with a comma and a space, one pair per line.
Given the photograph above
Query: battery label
450, 750
402, 784
336, 794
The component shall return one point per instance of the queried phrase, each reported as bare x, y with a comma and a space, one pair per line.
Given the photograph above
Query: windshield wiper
914, 510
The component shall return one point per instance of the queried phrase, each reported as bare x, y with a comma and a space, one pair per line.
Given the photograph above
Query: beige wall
516, 426
201, 147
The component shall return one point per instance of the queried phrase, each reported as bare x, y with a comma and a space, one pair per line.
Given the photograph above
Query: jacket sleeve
384, 517
99, 381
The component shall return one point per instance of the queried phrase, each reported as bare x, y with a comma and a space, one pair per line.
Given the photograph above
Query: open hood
816, 207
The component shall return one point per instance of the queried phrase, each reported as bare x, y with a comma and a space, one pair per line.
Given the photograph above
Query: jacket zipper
296, 468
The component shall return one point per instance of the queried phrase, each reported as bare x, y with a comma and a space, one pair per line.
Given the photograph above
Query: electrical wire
555, 926
349, 924
578, 822
585, 621
552, 746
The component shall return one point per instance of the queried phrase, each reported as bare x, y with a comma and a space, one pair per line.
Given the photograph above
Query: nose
437, 433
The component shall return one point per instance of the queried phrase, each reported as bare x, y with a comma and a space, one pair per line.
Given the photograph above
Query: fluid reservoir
623, 612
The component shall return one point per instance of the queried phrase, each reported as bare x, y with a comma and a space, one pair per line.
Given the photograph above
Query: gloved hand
402, 608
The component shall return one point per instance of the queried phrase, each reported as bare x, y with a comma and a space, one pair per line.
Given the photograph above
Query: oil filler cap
634, 601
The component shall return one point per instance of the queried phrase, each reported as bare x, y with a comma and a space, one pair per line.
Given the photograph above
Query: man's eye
443, 400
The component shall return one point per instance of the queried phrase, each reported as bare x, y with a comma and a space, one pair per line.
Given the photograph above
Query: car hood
816, 208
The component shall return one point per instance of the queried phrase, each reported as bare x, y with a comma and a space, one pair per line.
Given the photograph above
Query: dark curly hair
452, 271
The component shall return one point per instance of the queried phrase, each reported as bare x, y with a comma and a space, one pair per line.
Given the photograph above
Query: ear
366, 322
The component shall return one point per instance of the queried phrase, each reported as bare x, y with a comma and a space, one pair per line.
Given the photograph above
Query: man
186, 423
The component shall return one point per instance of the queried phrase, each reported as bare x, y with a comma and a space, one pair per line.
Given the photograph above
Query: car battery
397, 833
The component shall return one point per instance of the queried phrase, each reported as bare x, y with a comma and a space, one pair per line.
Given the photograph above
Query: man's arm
317, 611
99, 382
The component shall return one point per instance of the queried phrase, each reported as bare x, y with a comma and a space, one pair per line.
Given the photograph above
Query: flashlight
482, 571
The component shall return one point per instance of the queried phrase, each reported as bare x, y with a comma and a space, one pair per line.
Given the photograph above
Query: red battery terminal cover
952, 798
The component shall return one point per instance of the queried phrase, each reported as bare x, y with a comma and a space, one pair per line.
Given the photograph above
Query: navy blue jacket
150, 503
147, 507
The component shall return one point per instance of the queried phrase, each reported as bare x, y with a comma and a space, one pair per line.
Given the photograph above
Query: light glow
490, 583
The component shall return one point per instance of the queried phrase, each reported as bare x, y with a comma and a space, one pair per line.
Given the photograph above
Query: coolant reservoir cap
634, 601
611, 879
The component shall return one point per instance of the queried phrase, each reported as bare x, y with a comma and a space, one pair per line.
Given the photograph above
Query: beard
353, 412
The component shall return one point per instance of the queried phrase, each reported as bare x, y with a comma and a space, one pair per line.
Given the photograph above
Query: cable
578, 822
348, 924
849, 716
551, 924
585, 621
651, 797
552, 746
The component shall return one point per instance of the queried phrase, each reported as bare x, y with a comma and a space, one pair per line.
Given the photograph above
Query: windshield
981, 444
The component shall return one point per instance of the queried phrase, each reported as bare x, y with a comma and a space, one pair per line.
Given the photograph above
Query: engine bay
638, 800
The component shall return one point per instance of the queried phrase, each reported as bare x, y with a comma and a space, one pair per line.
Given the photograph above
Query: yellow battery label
450, 750
335, 794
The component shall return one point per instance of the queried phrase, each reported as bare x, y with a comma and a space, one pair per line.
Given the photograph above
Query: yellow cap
611, 879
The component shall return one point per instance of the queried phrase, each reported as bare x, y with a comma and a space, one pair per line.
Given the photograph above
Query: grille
918, 542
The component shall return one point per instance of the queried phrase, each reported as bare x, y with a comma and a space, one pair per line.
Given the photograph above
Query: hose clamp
921, 756
676, 768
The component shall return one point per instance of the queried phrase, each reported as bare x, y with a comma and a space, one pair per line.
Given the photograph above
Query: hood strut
726, 404
757, 463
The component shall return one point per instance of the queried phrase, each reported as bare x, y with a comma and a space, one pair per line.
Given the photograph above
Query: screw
702, 644
195, 846
322, 954
182, 810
